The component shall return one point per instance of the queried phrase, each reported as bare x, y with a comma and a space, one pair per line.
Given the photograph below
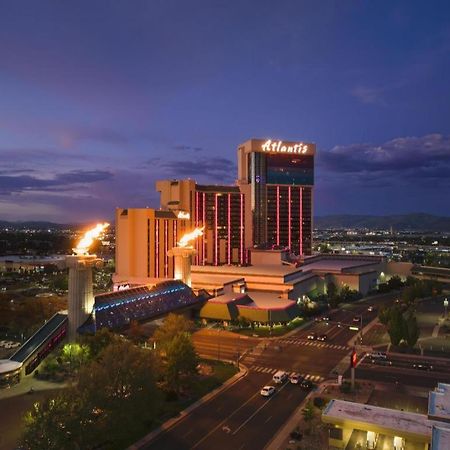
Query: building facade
220, 210
277, 179
143, 239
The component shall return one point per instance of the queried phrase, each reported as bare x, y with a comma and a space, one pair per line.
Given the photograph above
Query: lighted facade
219, 209
143, 238
277, 179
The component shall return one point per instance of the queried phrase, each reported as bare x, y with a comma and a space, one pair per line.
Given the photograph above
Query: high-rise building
277, 179
143, 239
220, 210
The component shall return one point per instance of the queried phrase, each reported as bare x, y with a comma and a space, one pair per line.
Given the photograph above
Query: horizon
100, 102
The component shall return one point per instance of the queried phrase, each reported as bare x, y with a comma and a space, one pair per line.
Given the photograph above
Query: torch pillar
81, 294
183, 263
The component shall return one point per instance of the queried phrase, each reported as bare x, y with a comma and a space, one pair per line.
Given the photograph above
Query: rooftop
392, 420
440, 439
439, 402
6, 365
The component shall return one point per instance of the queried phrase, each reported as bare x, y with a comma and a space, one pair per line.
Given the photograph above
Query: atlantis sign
280, 147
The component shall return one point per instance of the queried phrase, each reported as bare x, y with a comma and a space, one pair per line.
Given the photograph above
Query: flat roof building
431, 431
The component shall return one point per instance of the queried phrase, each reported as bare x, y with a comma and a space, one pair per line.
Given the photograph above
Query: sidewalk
183, 414
284, 432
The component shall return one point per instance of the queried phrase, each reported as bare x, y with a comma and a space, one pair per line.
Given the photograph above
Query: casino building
270, 206
277, 179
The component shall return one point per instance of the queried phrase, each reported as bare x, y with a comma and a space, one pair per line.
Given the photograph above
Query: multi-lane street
240, 418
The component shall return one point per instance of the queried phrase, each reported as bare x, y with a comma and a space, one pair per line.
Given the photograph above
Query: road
399, 369
240, 418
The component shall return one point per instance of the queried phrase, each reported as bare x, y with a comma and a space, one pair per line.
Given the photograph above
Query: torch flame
188, 237
86, 241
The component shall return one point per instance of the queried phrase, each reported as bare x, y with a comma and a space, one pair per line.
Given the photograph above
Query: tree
51, 425
396, 326
308, 414
346, 293
412, 330
331, 290
395, 282
384, 315
173, 325
100, 340
136, 332
182, 360
75, 355
114, 402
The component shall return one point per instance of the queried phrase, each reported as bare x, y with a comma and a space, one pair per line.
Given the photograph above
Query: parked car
267, 391
295, 379
371, 308
312, 336
325, 319
357, 319
422, 366
322, 337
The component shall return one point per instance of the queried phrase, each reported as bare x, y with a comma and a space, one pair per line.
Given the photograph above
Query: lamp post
445, 307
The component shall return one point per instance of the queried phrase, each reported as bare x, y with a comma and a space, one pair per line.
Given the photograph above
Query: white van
280, 377
372, 439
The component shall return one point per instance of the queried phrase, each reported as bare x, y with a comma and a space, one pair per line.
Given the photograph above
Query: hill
413, 222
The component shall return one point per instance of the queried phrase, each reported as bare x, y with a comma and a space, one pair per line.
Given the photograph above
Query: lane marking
259, 409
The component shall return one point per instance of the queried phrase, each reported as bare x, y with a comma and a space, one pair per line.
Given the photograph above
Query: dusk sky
98, 99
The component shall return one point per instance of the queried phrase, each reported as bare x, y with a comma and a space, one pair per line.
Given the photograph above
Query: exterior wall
360, 282
219, 209
267, 257
279, 214
402, 269
143, 238
306, 286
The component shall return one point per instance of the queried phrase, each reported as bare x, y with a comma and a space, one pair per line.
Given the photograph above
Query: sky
99, 99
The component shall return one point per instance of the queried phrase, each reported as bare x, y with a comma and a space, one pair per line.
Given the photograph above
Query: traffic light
353, 359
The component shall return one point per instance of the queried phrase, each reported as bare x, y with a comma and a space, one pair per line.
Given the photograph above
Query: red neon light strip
197, 241
278, 215
216, 240
242, 230
301, 221
289, 217
157, 248
166, 248
229, 228
204, 224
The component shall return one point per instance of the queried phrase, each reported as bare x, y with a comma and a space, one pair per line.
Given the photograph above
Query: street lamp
445, 307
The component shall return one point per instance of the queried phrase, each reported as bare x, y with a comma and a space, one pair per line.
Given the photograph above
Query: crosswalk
271, 371
306, 342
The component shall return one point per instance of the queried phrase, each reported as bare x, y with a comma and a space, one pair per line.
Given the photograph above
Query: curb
183, 414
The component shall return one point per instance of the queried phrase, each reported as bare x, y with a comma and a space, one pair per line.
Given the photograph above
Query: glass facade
290, 169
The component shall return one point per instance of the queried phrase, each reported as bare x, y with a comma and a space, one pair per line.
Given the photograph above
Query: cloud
10, 184
407, 159
188, 148
208, 168
369, 95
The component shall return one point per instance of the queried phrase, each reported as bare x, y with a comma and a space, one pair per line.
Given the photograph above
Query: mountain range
401, 222
413, 222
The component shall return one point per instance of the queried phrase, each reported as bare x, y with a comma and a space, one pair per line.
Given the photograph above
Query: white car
312, 336
295, 379
267, 391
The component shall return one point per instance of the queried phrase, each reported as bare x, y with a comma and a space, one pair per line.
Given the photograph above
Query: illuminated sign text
279, 147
